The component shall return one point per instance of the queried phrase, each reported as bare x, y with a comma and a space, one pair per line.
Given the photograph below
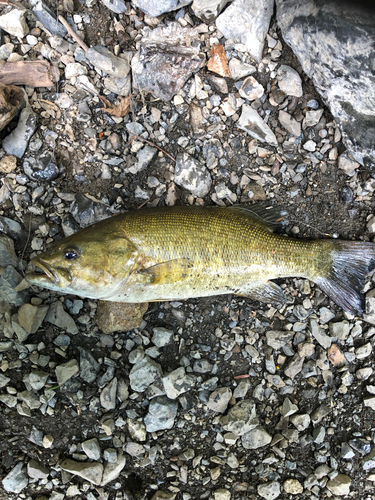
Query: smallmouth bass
173, 253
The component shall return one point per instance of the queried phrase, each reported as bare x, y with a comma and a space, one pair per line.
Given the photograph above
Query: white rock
16, 480
269, 491
14, 23
289, 81
74, 69
293, 487
208, 10
254, 125
239, 69
312, 118
256, 438
309, 146
192, 175
340, 485
289, 123
247, 21
347, 164
251, 89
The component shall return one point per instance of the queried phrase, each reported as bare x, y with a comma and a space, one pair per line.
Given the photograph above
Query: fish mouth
41, 273
39, 270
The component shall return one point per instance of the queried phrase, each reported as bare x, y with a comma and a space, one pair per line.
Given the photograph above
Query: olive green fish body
183, 252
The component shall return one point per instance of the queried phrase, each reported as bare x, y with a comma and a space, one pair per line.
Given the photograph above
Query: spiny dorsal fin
271, 217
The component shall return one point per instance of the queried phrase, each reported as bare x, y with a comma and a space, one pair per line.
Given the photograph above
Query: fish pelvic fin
352, 261
266, 292
271, 217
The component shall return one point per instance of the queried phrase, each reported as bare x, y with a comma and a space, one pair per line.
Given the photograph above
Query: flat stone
92, 472
239, 69
113, 470
208, 10
66, 371
192, 175
15, 23
144, 373
278, 338
319, 334
16, 142
46, 17
241, 418
289, 123
254, 125
312, 118
119, 86
162, 336
256, 438
219, 399
340, 330
164, 61
36, 470
247, 21
8, 256
88, 366
289, 81
91, 448
161, 414
16, 480
331, 58
74, 69
177, 382
251, 89
38, 379
103, 59
119, 316
269, 491
108, 395
340, 485
347, 164
59, 317
31, 317
294, 366
222, 494
155, 8
116, 6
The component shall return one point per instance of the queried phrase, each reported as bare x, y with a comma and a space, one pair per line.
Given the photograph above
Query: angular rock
119, 86
12, 228
208, 10
251, 89
332, 58
87, 212
256, 438
59, 317
113, 470
177, 382
66, 371
88, 366
219, 399
116, 6
340, 485
144, 373
347, 164
221, 494
45, 16
36, 470
289, 81
241, 418
161, 414
15, 23
155, 8
92, 472
192, 175
119, 316
103, 59
293, 487
247, 21
289, 123
278, 339
239, 69
254, 125
31, 317
91, 448
38, 379
164, 61
108, 395
16, 142
9, 280
312, 118
162, 336
16, 480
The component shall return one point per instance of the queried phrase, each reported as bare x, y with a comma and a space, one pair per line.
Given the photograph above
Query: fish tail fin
351, 262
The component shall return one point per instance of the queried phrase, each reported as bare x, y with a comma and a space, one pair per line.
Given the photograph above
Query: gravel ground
217, 397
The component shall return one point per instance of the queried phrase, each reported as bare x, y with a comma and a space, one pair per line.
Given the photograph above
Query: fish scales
182, 252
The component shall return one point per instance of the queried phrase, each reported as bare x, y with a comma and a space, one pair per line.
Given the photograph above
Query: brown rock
8, 164
119, 316
253, 192
218, 62
335, 356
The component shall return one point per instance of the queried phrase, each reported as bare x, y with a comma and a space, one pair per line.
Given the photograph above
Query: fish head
90, 263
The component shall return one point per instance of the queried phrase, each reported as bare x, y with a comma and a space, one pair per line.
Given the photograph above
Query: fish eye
70, 254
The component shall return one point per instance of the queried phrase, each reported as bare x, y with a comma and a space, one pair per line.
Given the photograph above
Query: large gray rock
165, 60
247, 21
335, 44
16, 480
208, 10
16, 142
161, 414
155, 8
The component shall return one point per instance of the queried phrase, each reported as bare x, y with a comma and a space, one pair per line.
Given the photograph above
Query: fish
183, 252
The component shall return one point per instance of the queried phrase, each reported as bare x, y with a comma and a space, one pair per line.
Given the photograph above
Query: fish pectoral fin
166, 272
272, 218
266, 292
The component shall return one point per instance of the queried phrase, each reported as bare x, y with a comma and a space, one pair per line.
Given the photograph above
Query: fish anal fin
170, 271
266, 292
271, 217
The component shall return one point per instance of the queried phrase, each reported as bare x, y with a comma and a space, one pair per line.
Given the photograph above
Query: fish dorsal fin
166, 272
272, 218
